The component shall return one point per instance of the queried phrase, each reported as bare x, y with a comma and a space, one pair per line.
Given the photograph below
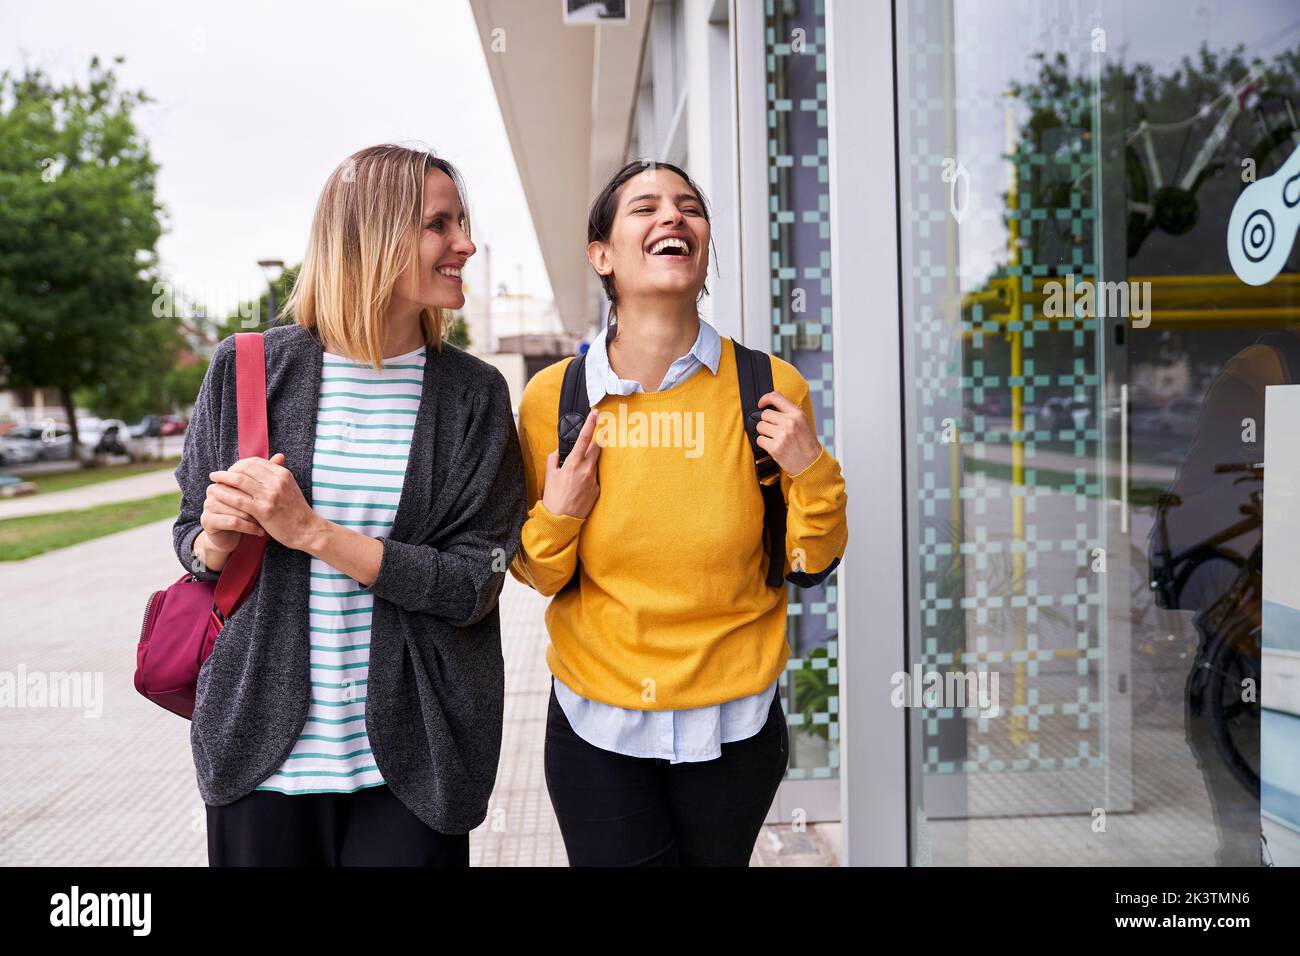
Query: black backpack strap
573, 412
574, 406
754, 372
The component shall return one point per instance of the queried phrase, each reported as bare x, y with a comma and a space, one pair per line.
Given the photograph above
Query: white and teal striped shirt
364, 423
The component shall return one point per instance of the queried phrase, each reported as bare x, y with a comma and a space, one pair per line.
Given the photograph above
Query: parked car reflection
1177, 418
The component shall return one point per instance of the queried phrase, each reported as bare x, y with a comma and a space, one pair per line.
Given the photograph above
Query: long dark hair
600, 220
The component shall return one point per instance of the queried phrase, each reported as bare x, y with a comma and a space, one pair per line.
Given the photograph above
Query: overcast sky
257, 102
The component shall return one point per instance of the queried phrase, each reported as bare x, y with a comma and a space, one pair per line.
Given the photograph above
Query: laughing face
444, 249
657, 246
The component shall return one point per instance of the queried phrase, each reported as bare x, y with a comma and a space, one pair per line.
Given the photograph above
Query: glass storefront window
1084, 381
800, 289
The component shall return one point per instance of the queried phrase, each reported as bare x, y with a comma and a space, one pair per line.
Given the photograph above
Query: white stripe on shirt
364, 423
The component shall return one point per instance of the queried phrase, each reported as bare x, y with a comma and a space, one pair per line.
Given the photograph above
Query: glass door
1075, 342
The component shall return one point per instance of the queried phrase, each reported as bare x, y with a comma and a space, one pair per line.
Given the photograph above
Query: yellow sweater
671, 611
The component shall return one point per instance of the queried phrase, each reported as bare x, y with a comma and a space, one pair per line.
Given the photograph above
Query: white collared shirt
679, 736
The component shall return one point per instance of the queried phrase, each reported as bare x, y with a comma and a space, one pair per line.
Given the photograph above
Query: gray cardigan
436, 694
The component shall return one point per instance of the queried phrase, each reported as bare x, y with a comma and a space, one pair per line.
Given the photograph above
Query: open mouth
449, 272
672, 246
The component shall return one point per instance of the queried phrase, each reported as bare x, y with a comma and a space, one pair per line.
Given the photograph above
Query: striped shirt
364, 423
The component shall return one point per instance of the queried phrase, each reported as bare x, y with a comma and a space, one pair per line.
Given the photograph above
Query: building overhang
567, 95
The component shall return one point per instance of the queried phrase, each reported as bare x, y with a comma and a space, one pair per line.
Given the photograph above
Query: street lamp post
272, 269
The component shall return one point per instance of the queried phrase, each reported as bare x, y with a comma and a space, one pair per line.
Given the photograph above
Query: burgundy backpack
181, 624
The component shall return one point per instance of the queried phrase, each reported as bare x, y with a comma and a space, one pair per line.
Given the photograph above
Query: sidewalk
102, 493
118, 789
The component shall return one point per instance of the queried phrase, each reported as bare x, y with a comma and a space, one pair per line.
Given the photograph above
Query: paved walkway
118, 788
147, 485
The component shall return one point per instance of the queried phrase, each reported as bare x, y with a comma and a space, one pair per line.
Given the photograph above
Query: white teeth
449, 271
670, 241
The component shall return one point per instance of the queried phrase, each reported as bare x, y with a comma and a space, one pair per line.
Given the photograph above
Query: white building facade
896, 190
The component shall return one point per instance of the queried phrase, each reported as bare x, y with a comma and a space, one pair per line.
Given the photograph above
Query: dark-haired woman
666, 740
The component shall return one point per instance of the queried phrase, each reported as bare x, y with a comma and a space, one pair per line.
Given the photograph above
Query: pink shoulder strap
241, 567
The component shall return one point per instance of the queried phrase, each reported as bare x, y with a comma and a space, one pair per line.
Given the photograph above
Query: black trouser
370, 827
616, 810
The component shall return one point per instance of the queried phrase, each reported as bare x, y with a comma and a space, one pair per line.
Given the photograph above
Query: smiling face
658, 242
444, 247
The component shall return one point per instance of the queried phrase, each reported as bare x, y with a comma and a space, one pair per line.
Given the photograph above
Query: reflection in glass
800, 281
1084, 498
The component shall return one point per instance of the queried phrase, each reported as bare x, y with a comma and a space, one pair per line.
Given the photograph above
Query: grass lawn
35, 534
80, 477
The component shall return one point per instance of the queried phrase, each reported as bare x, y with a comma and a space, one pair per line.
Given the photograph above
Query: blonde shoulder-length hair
365, 232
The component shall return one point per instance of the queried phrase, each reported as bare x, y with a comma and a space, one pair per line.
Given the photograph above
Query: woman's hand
223, 524
267, 492
572, 489
786, 435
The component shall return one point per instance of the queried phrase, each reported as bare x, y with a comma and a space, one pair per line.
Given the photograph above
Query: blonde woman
351, 711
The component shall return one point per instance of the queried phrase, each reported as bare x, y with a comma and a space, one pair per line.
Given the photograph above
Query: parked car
1178, 418
100, 436
147, 427
28, 443
151, 426
89, 430
16, 453
1062, 413
995, 404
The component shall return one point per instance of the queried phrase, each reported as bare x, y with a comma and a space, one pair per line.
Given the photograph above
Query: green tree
458, 333
79, 225
168, 373
255, 316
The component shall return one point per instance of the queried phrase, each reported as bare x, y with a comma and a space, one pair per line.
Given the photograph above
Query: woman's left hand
785, 434
267, 491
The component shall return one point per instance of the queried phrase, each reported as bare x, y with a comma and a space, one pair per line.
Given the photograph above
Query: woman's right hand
572, 489
223, 523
